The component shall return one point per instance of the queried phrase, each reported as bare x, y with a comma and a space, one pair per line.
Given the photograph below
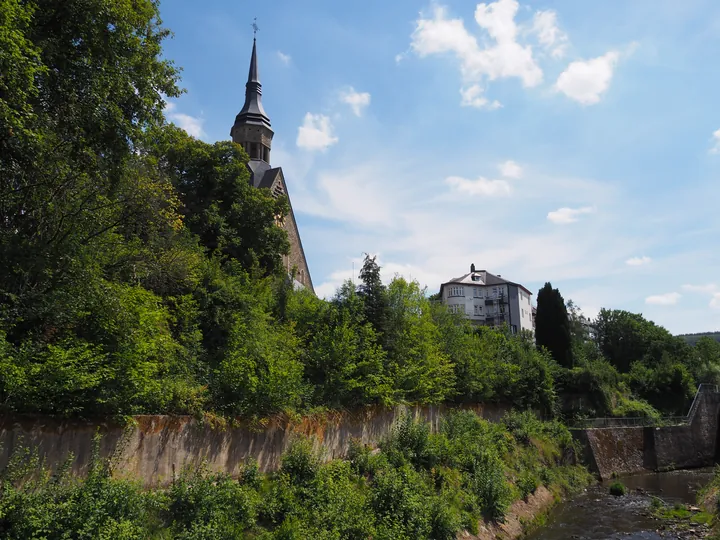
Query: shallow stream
598, 515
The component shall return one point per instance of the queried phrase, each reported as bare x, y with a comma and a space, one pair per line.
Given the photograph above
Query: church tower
252, 131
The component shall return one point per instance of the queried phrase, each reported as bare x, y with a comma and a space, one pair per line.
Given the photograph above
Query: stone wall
154, 448
614, 450
632, 450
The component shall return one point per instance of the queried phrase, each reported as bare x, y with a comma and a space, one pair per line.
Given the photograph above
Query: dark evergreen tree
374, 295
552, 327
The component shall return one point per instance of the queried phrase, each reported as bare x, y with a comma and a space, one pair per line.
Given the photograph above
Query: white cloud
510, 169
586, 81
667, 299
545, 27
506, 58
709, 288
191, 124
284, 58
357, 100
716, 143
563, 216
638, 261
357, 195
316, 133
332, 283
473, 97
481, 186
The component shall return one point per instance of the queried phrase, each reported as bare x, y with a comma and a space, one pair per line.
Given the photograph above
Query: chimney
472, 268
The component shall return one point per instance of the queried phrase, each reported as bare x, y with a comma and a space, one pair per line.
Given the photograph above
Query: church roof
269, 177
252, 111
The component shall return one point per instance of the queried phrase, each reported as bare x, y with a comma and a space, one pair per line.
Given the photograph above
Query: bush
300, 462
617, 489
527, 483
409, 442
488, 482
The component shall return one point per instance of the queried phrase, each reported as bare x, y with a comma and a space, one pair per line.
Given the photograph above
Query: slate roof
252, 111
482, 277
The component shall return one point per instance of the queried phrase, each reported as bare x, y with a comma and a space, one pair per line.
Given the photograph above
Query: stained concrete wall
154, 448
614, 450
632, 450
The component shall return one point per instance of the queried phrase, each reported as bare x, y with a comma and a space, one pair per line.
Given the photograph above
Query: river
596, 514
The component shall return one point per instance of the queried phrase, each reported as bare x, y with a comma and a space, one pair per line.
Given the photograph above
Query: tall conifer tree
552, 327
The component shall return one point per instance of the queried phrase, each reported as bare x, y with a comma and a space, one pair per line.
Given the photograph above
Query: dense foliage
142, 274
420, 485
632, 367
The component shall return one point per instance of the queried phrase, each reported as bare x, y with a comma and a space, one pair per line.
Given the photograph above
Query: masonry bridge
630, 445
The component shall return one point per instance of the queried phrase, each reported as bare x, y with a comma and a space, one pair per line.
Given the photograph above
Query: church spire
252, 125
253, 111
253, 73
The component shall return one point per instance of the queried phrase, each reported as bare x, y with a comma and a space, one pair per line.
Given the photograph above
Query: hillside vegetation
692, 339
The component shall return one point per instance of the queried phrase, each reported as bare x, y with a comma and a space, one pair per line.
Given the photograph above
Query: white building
487, 299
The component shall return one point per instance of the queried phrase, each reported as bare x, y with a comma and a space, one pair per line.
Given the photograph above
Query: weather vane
255, 27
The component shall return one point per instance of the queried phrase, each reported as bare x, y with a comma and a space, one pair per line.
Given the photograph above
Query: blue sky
563, 141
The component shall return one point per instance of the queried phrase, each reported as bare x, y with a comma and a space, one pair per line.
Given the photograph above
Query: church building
253, 132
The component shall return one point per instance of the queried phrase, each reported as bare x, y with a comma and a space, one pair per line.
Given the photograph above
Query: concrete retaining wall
154, 448
632, 450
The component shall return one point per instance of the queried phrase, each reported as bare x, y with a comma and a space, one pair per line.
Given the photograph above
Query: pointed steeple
253, 74
252, 111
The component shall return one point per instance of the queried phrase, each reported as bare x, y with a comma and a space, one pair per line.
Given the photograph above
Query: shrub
359, 456
490, 486
527, 483
444, 520
300, 462
409, 441
204, 502
617, 489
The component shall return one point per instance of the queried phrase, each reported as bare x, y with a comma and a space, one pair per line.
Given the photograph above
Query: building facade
253, 132
490, 300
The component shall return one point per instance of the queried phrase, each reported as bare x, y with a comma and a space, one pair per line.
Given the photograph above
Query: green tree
374, 295
232, 219
345, 363
420, 370
707, 351
552, 327
84, 83
625, 338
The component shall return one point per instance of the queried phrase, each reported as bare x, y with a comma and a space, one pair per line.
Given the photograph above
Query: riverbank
692, 521
598, 515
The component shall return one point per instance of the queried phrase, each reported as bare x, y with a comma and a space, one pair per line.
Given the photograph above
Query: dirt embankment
520, 512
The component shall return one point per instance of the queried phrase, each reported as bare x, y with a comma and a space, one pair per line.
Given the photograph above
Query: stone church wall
296, 258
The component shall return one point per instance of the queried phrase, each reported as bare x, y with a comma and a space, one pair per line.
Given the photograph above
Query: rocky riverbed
656, 506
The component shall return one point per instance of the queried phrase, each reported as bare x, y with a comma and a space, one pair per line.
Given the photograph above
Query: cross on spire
255, 28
